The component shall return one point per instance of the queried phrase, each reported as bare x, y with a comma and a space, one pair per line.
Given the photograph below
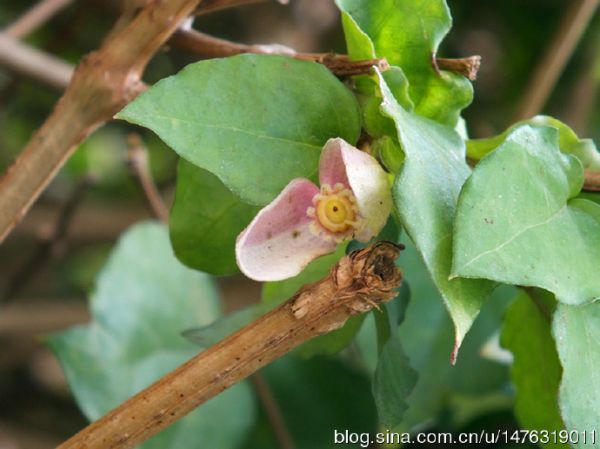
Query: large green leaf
144, 297
205, 220
408, 34
425, 195
516, 222
584, 149
255, 121
577, 333
536, 370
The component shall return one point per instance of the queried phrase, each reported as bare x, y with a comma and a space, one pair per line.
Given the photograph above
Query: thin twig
554, 60
50, 243
592, 181
210, 6
273, 412
35, 17
206, 46
363, 278
104, 82
468, 66
137, 158
26, 60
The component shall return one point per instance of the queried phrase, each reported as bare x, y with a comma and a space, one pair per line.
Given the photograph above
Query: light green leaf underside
425, 196
394, 379
408, 34
536, 370
516, 222
205, 220
577, 334
255, 121
584, 149
143, 299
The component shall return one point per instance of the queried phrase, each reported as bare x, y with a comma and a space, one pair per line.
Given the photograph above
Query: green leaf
408, 34
143, 298
425, 195
247, 116
536, 370
517, 224
394, 379
577, 333
568, 142
205, 220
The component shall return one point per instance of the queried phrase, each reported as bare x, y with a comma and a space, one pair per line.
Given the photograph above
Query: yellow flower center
335, 213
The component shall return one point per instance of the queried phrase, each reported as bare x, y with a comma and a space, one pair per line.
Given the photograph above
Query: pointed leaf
425, 194
528, 229
245, 116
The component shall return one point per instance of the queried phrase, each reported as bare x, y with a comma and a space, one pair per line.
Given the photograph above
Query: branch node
468, 66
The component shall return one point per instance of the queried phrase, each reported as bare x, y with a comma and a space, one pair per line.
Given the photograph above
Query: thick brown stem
104, 82
358, 282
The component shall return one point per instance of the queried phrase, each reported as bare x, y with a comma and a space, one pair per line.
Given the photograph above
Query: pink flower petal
341, 162
278, 243
331, 165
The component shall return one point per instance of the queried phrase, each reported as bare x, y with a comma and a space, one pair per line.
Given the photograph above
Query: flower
305, 221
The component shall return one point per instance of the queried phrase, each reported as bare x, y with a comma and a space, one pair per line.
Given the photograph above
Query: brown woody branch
105, 81
465, 66
591, 181
356, 284
206, 46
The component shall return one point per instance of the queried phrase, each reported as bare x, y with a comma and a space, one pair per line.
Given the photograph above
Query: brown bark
357, 283
105, 81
